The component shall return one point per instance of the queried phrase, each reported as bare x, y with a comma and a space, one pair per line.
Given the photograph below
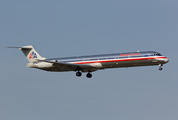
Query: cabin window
102, 59
93, 59
110, 58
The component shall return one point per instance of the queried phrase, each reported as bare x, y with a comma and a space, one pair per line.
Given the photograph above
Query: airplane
91, 63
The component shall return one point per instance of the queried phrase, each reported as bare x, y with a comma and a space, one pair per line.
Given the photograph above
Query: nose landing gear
160, 68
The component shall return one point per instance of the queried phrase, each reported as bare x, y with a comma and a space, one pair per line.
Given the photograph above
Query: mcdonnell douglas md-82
91, 63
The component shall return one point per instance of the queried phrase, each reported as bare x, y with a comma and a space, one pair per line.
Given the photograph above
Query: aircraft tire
78, 74
89, 75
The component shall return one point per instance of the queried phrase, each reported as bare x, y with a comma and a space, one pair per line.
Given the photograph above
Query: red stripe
118, 60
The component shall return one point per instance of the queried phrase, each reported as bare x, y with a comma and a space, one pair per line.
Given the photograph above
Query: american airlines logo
32, 55
132, 54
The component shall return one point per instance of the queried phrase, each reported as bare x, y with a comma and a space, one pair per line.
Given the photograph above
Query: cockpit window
157, 54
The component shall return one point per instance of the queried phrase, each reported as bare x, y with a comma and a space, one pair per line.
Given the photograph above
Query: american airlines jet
91, 63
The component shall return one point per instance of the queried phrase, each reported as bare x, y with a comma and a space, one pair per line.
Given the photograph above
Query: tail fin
30, 53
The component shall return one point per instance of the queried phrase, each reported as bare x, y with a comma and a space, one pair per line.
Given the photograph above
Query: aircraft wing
81, 67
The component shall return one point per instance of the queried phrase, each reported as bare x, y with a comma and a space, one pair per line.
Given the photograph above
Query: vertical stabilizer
30, 53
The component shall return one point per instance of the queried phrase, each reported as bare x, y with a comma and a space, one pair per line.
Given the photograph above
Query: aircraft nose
166, 60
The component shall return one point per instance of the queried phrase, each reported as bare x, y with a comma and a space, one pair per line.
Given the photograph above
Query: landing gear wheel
160, 68
89, 75
78, 74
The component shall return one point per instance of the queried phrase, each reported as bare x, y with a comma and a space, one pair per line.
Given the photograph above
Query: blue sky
70, 28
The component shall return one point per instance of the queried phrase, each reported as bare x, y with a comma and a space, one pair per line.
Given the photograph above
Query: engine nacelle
44, 65
40, 65
31, 65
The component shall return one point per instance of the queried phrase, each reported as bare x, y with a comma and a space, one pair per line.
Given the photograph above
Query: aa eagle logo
32, 55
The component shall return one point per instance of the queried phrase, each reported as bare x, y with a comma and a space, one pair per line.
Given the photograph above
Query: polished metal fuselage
118, 60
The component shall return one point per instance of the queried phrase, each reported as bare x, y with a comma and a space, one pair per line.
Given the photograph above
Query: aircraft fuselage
117, 60
92, 63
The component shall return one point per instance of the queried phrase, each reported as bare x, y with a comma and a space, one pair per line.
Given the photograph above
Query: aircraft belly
68, 68
127, 64
57, 69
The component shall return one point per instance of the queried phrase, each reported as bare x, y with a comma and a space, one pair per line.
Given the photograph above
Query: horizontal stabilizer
24, 47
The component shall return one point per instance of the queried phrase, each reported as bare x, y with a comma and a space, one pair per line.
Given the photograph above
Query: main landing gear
89, 75
78, 74
160, 68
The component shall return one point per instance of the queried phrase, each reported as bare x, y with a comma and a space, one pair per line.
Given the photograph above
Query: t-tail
30, 53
